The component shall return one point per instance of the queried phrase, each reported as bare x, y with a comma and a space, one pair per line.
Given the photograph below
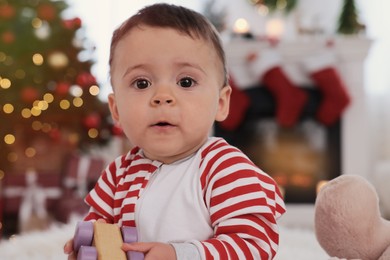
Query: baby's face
167, 91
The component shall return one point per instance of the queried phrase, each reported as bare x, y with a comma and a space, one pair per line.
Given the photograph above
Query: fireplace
342, 148
298, 158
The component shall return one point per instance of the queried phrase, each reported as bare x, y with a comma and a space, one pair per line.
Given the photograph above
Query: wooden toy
103, 241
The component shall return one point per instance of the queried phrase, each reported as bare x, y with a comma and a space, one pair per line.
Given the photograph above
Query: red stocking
239, 103
290, 100
335, 96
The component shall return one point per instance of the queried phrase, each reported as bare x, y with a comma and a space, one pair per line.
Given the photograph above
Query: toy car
103, 241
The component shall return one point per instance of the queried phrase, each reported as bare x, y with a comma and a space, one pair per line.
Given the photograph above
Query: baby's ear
239, 102
223, 103
113, 107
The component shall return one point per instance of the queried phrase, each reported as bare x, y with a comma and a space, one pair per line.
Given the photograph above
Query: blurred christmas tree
48, 97
348, 20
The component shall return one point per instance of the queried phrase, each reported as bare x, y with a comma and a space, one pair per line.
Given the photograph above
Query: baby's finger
72, 256
140, 247
68, 247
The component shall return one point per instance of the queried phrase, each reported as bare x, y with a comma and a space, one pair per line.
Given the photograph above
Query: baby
190, 196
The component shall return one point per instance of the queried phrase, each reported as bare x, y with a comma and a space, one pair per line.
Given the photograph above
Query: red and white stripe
243, 201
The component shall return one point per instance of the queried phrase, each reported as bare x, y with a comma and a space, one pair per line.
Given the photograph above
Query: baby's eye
186, 82
141, 84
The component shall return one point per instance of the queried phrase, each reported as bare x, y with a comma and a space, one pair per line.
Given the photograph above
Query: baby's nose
159, 101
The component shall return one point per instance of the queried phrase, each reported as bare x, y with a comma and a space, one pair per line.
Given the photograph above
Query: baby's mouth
161, 124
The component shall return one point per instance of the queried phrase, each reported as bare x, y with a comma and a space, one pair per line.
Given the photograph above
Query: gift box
15, 187
82, 172
29, 200
80, 175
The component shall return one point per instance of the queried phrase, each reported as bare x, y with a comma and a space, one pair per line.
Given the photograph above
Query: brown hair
179, 18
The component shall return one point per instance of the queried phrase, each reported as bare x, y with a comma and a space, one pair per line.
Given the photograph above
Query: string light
94, 90
46, 128
26, 113
281, 4
5, 83
58, 60
42, 105
42, 28
76, 91
275, 28
64, 104
73, 138
78, 102
36, 125
37, 59
241, 26
9, 139
48, 98
30, 152
93, 133
8, 108
263, 10
35, 111
36, 23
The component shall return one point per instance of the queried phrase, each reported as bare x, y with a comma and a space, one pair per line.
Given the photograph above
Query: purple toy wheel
87, 253
133, 255
83, 235
129, 235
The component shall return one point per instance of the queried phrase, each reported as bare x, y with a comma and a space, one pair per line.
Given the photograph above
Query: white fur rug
297, 241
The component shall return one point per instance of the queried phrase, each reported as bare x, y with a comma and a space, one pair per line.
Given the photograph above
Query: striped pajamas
216, 199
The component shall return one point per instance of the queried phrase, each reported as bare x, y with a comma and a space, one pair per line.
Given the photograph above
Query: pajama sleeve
101, 197
244, 204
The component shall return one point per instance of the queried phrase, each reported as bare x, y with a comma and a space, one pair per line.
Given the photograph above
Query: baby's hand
153, 251
68, 247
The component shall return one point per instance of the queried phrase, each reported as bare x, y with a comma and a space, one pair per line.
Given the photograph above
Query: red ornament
55, 135
62, 88
85, 79
29, 94
7, 11
72, 24
8, 37
92, 120
46, 12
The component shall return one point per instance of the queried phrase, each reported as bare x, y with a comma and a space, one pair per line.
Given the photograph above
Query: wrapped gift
32, 197
80, 175
15, 186
82, 172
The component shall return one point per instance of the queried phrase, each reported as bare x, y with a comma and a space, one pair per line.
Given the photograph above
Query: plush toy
347, 221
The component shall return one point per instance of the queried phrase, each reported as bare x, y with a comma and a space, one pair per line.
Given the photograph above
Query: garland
276, 5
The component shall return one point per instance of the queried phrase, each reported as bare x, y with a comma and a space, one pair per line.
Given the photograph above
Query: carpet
295, 243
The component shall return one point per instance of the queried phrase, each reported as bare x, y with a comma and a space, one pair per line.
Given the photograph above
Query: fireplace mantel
351, 53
